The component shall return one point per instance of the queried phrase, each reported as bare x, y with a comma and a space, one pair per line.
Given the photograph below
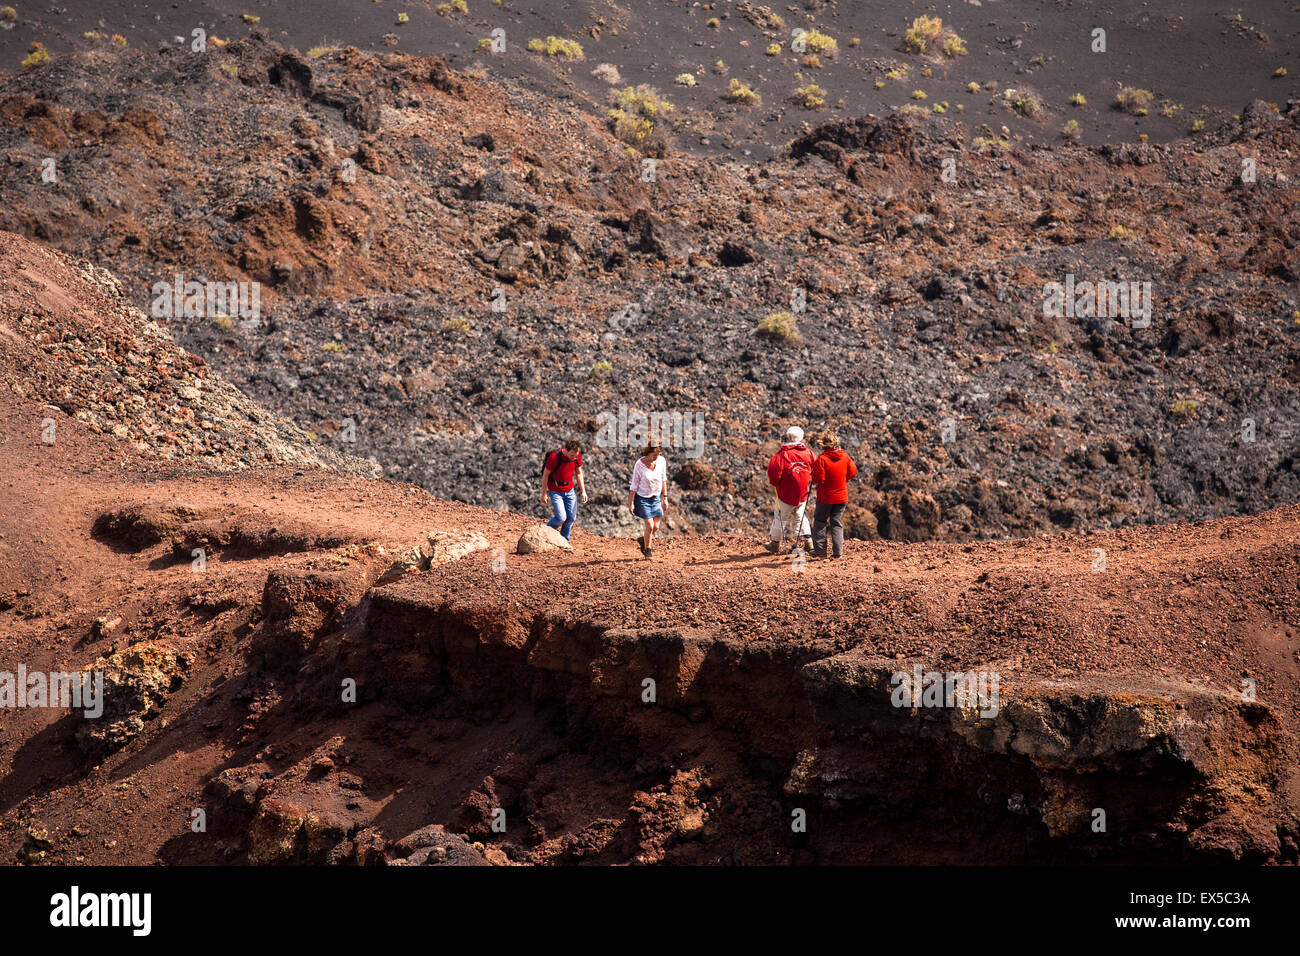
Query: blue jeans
565, 506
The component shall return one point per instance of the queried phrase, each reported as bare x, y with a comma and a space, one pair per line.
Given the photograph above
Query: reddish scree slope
521, 689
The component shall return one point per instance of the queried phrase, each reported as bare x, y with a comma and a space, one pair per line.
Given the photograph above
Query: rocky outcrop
288, 831
1107, 765
300, 606
1108, 768
434, 845
136, 684
81, 348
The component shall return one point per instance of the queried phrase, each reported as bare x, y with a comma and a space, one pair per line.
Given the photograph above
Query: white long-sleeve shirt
648, 482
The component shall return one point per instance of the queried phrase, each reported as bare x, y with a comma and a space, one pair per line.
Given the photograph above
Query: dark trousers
823, 516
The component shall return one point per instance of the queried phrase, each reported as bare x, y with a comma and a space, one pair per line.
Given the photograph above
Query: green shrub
821, 44
920, 36
643, 100
1135, 101
779, 325
929, 35
1025, 102
629, 127
38, 56
810, 97
556, 46
738, 92
632, 118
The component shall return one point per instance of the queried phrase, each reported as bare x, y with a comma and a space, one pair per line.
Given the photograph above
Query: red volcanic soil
516, 683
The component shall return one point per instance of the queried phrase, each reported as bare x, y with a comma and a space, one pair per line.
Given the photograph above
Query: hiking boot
640, 542
649, 553
772, 547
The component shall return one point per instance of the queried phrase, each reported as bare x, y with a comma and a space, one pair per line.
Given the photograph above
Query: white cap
793, 435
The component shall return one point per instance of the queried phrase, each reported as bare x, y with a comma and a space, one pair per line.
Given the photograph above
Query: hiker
790, 473
560, 471
648, 493
831, 472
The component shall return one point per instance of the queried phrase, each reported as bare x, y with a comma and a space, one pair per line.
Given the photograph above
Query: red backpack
800, 471
559, 460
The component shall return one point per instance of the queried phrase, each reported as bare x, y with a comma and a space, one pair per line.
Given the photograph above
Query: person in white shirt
648, 493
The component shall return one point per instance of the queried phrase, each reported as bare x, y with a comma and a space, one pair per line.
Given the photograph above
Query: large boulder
440, 547
135, 684
447, 546
433, 845
542, 538
289, 830
300, 606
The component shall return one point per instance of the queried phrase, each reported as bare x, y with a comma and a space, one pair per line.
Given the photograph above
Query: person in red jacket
790, 473
831, 472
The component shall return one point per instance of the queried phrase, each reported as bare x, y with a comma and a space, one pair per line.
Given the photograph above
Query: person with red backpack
561, 470
790, 473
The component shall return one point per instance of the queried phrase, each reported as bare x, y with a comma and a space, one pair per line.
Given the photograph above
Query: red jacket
784, 469
831, 473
